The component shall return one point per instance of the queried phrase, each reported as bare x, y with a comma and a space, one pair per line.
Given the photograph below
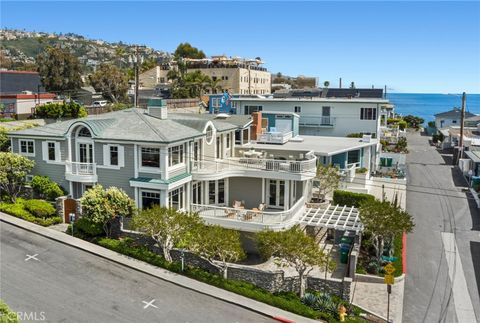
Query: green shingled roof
137, 125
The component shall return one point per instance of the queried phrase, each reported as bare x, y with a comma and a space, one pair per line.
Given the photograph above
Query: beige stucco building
236, 75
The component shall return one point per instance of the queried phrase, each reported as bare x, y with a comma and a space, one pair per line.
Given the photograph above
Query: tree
352, 85
328, 179
293, 248
185, 50
384, 221
326, 84
217, 243
413, 121
166, 226
103, 206
111, 81
13, 169
59, 70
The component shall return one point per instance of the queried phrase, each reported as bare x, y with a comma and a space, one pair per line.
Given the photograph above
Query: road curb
177, 279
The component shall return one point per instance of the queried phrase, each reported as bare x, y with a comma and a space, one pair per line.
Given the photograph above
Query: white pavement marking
32, 257
148, 304
461, 297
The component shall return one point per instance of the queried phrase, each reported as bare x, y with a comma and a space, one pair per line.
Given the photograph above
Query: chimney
340, 83
256, 125
157, 108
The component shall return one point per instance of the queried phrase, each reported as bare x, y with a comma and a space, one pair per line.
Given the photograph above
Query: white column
135, 160
164, 162
137, 202
263, 190
187, 189
287, 196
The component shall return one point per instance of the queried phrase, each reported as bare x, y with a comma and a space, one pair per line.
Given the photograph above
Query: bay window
175, 155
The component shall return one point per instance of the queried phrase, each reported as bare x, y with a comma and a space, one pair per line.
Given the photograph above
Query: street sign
389, 269
389, 279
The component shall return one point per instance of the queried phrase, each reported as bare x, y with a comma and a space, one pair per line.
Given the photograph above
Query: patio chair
238, 205
231, 214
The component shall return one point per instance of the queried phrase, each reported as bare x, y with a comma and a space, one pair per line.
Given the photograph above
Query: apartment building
237, 75
226, 168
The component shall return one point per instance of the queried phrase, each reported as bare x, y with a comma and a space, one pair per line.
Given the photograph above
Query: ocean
427, 105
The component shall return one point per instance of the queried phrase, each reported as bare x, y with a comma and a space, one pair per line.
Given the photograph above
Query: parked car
99, 103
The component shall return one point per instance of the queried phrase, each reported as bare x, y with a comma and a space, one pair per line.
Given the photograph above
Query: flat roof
314, 99
320, 145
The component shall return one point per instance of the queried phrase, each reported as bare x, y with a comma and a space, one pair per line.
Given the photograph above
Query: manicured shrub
350, 198
18, 210
402, 124
39, 208
46, 188
88, 228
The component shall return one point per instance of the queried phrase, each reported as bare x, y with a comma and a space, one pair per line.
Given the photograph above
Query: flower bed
367, 260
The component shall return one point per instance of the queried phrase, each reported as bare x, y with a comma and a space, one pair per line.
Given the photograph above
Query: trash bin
389, 161
344, 255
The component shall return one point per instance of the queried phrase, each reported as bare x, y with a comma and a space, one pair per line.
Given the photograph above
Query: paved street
445, 246
69, 285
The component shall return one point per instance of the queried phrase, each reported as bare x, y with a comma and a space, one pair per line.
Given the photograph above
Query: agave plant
309, 299
325, 303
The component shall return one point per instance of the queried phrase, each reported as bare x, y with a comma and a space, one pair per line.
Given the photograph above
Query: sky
414, 47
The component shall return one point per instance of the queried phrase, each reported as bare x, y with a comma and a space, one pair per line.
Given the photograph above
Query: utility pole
136, 61
462, 119
340, 83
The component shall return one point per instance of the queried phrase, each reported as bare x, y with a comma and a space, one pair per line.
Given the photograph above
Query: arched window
84, 132
209, 134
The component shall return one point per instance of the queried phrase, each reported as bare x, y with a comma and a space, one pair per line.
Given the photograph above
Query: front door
276, 193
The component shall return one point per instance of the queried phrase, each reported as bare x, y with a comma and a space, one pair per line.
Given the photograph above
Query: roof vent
157, 108
222, 116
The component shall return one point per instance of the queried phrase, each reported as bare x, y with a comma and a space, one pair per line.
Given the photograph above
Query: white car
99, 103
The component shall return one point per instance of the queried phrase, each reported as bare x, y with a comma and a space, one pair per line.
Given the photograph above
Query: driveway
443, 252
45, 279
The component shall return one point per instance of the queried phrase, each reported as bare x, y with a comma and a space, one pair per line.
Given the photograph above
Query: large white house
230, 169
336, 117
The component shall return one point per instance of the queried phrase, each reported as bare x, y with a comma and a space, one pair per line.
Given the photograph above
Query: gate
69, 206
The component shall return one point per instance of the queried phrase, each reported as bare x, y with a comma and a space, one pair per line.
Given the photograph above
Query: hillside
18, 49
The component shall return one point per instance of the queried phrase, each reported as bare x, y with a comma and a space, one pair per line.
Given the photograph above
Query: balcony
255, 167
250, 220
81, 172
316, 121
275, 137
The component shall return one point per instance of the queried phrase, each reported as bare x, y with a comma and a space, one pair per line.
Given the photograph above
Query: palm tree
214, 85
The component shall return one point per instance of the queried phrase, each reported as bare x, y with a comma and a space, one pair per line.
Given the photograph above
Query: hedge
18, 210
350, 198
84, 228
7, 315
39, 208
57, 110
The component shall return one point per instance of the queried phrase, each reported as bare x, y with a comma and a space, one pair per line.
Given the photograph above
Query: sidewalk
267, 310
373, 298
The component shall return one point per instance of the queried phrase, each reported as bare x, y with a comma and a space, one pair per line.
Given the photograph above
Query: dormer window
209, 134
84, 132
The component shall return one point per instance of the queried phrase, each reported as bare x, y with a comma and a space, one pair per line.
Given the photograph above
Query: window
353, 157
297, 109
84, 132
175, 155
368, 114
197, 192
150, 199
196, 151
228, 140
214, 78
151, 157
454, 121
249, 109
211, 192
175, 198
221, 191
218, 148
27, 147
51, 151
114, 155
209, 135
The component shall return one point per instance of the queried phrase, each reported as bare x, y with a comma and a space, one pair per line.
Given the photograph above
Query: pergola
345, 218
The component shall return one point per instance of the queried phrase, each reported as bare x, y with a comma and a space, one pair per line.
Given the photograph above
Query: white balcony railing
315, 120
80, 169
252, 216
307, 166
275, 137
